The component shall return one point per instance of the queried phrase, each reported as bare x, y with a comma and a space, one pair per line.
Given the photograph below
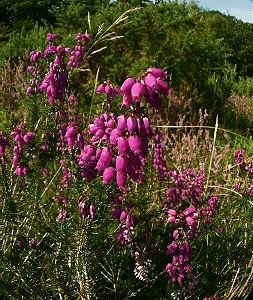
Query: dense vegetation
126, 159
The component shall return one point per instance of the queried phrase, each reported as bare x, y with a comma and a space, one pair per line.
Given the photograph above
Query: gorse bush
103, 201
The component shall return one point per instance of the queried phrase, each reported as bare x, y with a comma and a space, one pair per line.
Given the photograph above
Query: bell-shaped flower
98, 153
121, 163
147, 126
131, 124
71, 131
109, 90
123, 146
71, 141
189, 211
141, 128
135, 143
122, 124
115, 134
127, 85
127, 100
99, 133
190, 221
109, 124
99, 123
108, 175
128, 222
162, 87
19, 171
150, 81
29, 90
121, 179
105, 159
158, 73
138, 91
100, 89
92, 211
123, 215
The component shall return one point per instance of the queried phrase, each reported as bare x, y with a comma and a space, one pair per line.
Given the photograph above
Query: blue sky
241, 9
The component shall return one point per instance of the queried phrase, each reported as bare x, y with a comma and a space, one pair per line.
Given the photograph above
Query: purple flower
131, 124
138, 91
108, 175
172, 212
30, 68
135, 143
92, 211
19, 171
172, 248
127, 85
123, 146
115, 134
175, 234
29, 90
122, 124
100, 89
162, 87
189, 211
127, 100
105, 159
123, 215
158, 73
121, 179
190, 221
150, 81
71, 131
121, 163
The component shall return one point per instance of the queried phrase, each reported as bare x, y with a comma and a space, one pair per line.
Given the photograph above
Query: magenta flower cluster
159, 159
244, 165
4, 143
150, 85
20, 138
85, 208
185, 209
107, 88
55, 82
118, 149
123, 212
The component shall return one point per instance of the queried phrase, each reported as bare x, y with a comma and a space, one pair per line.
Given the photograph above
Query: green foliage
23, 42
237, 38
243, 86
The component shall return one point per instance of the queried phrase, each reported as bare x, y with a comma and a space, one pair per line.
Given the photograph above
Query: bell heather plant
116, 207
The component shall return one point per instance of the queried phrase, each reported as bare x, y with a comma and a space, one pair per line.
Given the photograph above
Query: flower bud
100, 89
150, 81
162, 87
121, 125
71, 131
123, 215
158, 73
108, 175
127, 85
114, 136
105, 159
131, 124
138, 91
121, 163
123, 146
121, 179
92, 211
135, 143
